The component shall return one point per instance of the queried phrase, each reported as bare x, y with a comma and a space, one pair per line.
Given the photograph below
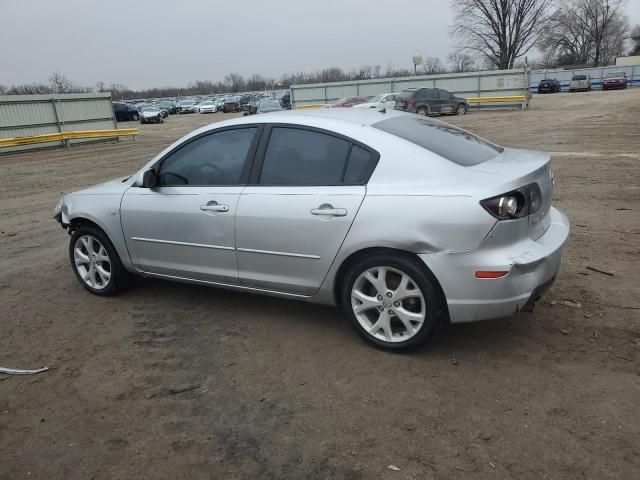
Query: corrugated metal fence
596, 74
25, 115
493, 83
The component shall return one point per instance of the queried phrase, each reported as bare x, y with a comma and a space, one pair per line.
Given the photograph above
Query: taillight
515, 204
411, 103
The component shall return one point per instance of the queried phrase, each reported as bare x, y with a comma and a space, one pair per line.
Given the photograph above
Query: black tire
461, 109
142, 121
419, 276
135, 117
423, 111
120, 277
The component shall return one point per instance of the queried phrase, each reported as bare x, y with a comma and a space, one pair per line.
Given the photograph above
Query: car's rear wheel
95, 262
391, 302
422, 111
461, 109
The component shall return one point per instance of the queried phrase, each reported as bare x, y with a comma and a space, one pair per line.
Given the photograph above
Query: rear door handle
214, 207
329, 211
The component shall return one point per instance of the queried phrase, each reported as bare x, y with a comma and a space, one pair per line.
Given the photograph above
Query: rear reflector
484, 274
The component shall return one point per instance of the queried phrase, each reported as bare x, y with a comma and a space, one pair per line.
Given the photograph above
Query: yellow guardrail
62, 136
311, 105
511, 99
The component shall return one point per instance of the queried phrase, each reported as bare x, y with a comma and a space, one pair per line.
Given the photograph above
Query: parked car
231, 104
386, 100
170, 107
266, 106
151, 114
349, 101
580, 83
219, 104
549, 85
614, 80
186, 106
405, 222
125, 112
429, 101
285, 101
208, 106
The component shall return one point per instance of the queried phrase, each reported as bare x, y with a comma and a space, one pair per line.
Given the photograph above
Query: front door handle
328, 210
214, 207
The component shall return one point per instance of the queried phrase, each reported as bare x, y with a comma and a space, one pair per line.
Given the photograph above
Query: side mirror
149, 179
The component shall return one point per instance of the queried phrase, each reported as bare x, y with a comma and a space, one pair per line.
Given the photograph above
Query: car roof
359, 116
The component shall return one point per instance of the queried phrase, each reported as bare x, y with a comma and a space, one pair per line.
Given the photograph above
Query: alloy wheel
92, 262
388, 304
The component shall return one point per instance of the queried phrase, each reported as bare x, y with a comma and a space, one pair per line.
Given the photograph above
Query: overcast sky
148, 43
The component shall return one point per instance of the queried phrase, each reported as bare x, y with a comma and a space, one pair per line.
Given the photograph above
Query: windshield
452, 143
615, 74
149, 109
375, 99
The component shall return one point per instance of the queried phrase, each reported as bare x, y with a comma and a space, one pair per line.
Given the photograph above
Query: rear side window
452, 143
360, 166
303, 157
299, 157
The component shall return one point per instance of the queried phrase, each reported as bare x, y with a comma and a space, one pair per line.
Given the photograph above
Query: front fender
104, 211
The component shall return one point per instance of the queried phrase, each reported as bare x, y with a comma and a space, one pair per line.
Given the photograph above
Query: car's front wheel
391, 302
95, 262
135, 117
461, 109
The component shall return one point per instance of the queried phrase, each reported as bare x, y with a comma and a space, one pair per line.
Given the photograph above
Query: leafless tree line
566, 32
234, 82
491, 34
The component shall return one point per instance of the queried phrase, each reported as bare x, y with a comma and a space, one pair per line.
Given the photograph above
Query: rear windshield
449, 142
579, 77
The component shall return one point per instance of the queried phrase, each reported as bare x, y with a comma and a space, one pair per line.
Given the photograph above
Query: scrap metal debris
599, 270
15, 371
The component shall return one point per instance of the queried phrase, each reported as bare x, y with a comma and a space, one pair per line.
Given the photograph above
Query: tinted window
448, 141
579, 77
303, 157
216, 159
360, 167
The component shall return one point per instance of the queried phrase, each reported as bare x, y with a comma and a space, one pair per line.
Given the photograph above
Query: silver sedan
405, 222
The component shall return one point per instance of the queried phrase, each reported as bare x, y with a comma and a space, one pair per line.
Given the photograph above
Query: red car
350, 101
614, 80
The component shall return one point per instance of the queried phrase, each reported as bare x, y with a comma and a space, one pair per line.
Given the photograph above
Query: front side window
215, 159
304, 157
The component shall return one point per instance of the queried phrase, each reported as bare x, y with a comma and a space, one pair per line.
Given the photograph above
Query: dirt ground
285, 390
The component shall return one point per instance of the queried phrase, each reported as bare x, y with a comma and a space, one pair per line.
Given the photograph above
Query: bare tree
235, 81
60, 83
635, 41
501, 30
586, 32
460, 62
433, 65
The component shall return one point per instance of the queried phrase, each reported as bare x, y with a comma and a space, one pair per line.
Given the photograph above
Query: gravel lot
285, 390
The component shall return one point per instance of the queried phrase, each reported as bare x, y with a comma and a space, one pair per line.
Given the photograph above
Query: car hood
115, 186
150, 113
